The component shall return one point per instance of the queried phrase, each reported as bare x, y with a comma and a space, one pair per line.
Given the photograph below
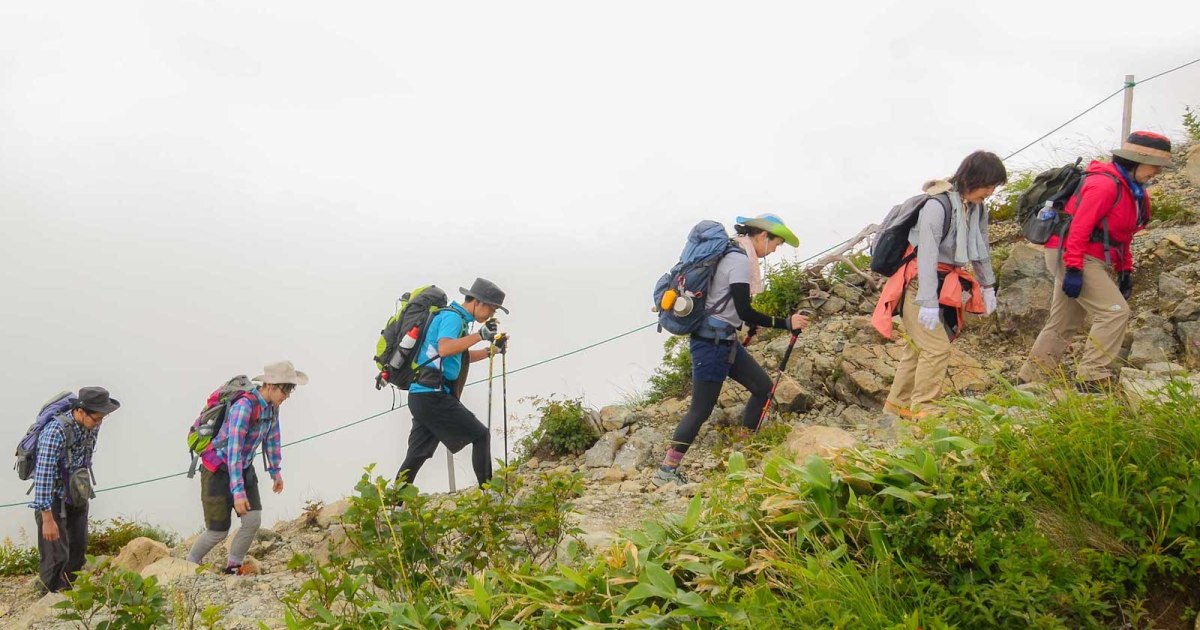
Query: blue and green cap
773, 225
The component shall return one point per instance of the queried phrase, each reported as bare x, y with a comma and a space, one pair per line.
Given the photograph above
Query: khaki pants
1101, 299
922, 368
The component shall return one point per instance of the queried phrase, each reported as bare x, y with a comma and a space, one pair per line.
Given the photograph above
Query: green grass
1165, 206
17, 559
108, 537
1031, 513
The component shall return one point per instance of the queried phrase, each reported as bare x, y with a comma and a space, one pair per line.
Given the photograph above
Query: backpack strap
947, 216
424, 333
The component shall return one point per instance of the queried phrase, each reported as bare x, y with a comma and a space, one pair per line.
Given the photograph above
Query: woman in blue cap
716, 352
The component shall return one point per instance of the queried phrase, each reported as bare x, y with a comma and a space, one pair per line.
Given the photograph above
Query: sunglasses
286, 388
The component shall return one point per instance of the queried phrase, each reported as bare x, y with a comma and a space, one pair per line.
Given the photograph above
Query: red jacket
1090, 205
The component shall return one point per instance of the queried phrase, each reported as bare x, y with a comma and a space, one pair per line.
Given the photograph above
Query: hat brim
300, 379
776, 229
1142, 158
468, 293
113, 405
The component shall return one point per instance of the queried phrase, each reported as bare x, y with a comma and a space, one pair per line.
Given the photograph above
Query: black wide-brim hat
487, 292
96, 399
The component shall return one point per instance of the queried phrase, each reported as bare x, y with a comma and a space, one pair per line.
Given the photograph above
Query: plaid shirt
51, 451
237, 441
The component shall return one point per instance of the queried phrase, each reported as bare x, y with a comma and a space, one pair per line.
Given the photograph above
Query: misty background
190, 190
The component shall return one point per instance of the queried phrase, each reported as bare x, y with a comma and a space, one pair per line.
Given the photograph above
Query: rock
332, 513
1152, 342
631, 487
265, 534
42, 609
613, 475
833, 306
1189, 336
1171, 291
1164, 368
866, 373
1192, 167
845, 292
603, 451
615, 417
1139, 386
337, 542
638, 451
1187, 310
818, 440
792, 396
140, 553
532, 463
1023, 301
672, 406
168, 570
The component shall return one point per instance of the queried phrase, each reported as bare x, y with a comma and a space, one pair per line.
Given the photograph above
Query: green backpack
404, 331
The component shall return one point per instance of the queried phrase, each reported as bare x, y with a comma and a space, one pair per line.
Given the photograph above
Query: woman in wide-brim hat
1111, 206
717, 353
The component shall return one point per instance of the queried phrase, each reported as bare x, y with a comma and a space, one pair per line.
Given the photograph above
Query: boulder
1152, 342
1140, 386
1188, 310
863, 373
140, 553
168, 570
1023, 301
332, 513
1192, 166
1189, 336
603, 452
42, 609
833, 305
1171, 291
792, 396
818, 440
637, 451
616, 417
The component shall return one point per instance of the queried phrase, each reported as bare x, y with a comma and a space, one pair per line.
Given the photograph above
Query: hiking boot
663, 477
892, 409
235, 569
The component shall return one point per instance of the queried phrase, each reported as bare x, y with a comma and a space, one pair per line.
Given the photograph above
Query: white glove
929, 317
989, 299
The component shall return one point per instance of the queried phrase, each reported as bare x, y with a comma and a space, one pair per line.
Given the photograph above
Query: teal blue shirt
450, 323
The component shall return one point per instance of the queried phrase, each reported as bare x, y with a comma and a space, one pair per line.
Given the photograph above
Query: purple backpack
27, 447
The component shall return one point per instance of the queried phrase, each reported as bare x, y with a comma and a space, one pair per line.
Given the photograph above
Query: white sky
189, 190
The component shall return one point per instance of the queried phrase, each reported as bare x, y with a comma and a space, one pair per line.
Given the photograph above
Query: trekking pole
504, 407
491, 362
787, 354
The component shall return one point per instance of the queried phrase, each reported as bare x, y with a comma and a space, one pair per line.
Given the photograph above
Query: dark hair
981, 169
1129, 165
747, 230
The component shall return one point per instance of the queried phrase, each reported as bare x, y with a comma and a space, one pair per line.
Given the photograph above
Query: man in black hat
438, 415
63, 485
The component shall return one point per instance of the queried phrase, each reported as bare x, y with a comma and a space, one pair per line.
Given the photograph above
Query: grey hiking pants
62, 558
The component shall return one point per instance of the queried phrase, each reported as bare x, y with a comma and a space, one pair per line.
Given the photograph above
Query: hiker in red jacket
1111, 206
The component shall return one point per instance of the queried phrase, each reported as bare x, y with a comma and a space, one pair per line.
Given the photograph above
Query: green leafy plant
111, 597
16, 559
1191, 123
840, 270
563, 429
785, 285
108, 537
673, 378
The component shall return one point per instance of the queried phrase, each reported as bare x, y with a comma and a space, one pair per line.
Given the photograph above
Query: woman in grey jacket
951, 233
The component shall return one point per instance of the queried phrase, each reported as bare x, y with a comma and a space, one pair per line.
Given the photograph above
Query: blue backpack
53, 410
680, 295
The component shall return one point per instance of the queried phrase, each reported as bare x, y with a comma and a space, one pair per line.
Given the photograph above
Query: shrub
784, 286
107, 538
121, 598
563, 429
673, 378
17, 560
840, 270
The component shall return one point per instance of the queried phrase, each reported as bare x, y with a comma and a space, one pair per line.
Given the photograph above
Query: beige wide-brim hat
280, 373
1145, 147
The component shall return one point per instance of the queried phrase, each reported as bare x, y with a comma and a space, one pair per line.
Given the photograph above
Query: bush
785, 285
673, 378
17, 560
112, 597
107, 538
563, 429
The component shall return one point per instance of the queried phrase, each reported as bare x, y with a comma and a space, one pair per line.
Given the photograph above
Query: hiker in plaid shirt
61, 514
228, 481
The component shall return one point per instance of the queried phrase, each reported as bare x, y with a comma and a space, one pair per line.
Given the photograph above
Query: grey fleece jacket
932, 249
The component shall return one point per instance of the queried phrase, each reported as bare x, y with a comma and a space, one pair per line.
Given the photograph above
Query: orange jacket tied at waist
949, 297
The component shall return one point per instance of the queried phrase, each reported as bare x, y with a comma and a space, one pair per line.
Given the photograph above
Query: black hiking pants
62, 558
441, 418
711, 365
